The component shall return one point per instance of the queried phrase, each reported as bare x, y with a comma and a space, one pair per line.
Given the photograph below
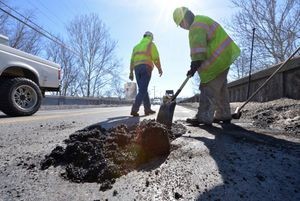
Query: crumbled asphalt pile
282, 114
98, 155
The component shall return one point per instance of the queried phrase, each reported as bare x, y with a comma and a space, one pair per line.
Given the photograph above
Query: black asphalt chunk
98, 155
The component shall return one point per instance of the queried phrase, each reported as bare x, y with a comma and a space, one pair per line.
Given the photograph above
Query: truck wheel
2, 80
20, 97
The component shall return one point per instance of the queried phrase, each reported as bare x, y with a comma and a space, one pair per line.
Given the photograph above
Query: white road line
53, 116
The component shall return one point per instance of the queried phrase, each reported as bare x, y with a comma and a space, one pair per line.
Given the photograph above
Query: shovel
166, 110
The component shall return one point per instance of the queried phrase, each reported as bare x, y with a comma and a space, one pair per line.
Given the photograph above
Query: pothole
98, 155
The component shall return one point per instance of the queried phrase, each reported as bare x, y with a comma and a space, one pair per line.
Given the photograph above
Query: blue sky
127, 20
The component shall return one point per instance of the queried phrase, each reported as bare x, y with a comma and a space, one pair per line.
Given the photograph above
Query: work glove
194, 67
160, 72
131, 76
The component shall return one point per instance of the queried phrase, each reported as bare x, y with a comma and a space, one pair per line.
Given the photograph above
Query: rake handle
271, 76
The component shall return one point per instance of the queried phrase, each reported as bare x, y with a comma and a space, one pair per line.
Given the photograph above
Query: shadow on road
252, 166
116, 121
2, 116
153, 164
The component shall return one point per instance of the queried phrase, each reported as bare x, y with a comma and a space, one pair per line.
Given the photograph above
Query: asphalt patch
95, 154
283, 118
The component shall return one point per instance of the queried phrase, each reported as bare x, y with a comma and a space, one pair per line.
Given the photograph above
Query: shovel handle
181, 87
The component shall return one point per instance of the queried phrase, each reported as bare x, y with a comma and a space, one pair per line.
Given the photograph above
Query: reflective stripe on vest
206, 64
198, 50
212, 30
149, 63
200, 25
146, 53
209, 29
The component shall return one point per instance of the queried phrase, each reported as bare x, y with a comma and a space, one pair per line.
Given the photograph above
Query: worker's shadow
2, 116
248, 162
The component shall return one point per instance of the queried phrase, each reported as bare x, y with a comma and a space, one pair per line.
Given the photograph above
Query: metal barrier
285, 84
65, 100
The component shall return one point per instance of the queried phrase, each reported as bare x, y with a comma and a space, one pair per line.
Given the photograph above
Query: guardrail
285, 84
67, 100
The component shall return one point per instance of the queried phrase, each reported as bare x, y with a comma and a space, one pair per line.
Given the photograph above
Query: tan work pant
214, 100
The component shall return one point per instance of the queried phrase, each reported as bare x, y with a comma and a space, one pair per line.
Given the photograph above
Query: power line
74, 12
51, 12
50, 18
28, 20
49, 36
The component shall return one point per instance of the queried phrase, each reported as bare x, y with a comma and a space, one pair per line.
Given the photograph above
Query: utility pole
250, 68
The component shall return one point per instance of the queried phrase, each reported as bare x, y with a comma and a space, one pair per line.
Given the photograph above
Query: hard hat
148, 33
178, 14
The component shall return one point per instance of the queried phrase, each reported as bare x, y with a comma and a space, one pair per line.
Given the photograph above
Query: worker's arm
155, 58
198, 47
131, 67
198, 43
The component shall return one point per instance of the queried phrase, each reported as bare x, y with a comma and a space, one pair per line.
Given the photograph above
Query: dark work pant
142, 76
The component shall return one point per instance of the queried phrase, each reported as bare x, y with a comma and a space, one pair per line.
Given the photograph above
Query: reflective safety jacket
145, 53
210, 43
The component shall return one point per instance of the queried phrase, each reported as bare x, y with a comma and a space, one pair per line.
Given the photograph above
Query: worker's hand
195, 65
131, 76
160, 72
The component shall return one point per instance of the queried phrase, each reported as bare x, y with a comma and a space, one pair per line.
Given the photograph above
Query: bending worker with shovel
212, 53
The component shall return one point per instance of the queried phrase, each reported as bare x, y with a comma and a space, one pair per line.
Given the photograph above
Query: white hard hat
148, 33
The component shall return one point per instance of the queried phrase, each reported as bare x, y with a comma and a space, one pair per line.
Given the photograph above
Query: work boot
195, 122
219, 121
149, 112
135, 114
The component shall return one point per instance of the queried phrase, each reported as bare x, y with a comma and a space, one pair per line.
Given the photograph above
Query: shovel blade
166, 112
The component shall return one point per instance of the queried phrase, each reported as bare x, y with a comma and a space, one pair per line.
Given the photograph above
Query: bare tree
20, 35
241, 66
90, 38
3, 20
117, 86
65, 58
277, 26
24, 38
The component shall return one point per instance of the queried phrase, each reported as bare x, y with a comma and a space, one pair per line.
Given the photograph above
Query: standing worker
212, 52
144, 57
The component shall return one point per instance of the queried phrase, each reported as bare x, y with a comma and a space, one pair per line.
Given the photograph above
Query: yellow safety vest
210, 43
145, 53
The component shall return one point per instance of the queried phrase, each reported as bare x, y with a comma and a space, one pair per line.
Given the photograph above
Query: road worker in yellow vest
144, 57
212, 52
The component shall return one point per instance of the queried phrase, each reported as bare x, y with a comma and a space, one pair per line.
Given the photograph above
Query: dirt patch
98, 155
281, 114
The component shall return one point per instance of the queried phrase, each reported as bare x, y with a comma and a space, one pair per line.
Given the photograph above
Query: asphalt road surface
223, 162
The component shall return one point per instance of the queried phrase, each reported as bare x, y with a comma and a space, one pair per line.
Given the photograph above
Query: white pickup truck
24, 79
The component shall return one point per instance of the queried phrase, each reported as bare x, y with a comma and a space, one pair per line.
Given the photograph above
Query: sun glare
166, 8
169, 4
